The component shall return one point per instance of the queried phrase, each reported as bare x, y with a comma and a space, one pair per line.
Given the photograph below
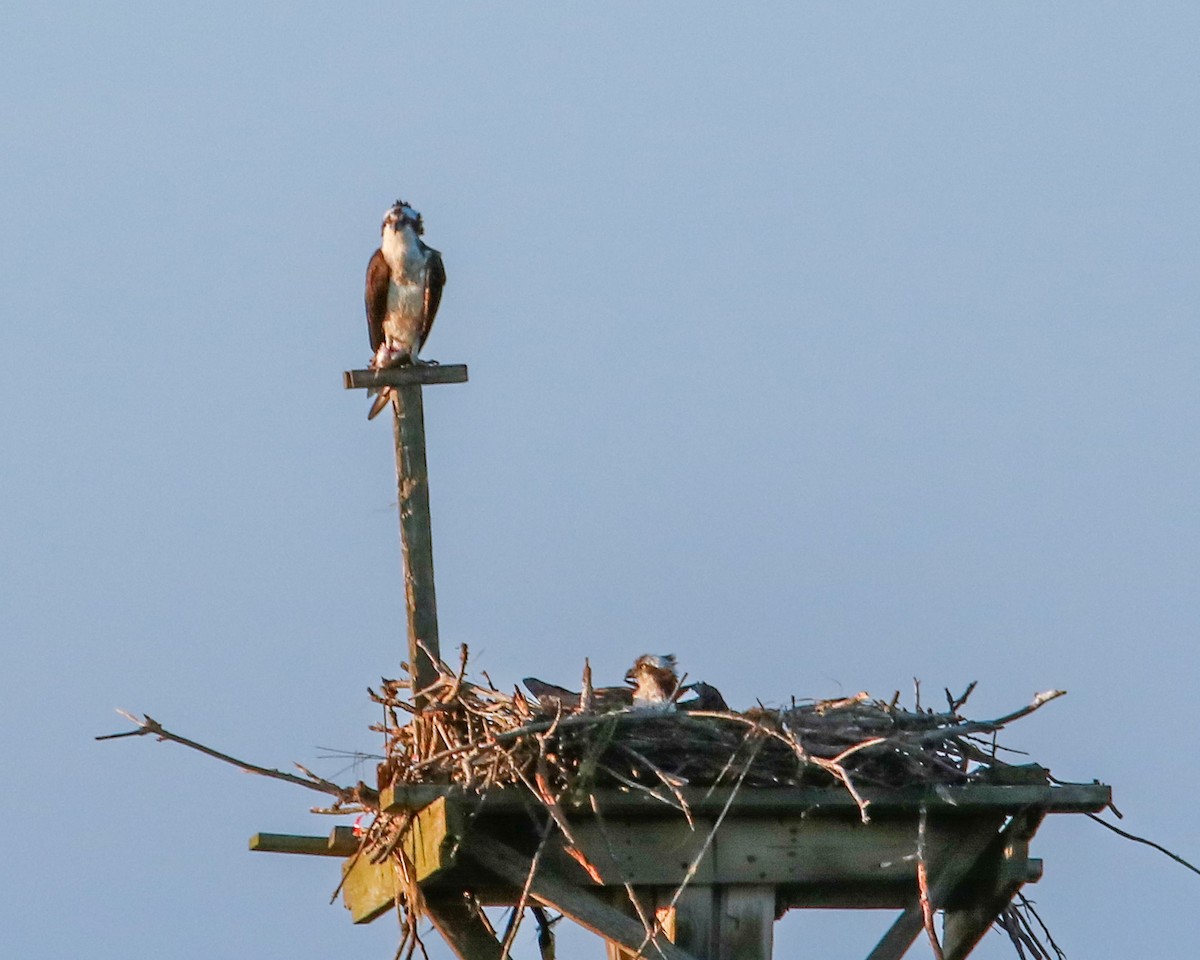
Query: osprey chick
404, 288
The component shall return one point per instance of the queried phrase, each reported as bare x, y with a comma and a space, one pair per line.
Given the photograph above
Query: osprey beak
631, 675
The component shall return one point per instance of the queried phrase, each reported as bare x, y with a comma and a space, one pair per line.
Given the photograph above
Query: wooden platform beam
465, 930
944, 879
585, 908
776, 849
1063, 798
341, 842
431, 846
994, 890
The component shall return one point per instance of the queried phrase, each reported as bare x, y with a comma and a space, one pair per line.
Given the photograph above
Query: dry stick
849, 751
1029, 936
1027, 905
586, 696
149, 726
830, 767
542, 726
990, 726
411, 897
462, 672
1010, 923
634, 785
1020, 931
671, 783
957, 703
1149, 843
923, 886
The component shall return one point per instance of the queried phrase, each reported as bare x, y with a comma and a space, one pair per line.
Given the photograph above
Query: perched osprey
404, 287
656, 682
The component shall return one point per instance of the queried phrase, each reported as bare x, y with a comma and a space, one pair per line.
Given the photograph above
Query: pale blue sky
822, 344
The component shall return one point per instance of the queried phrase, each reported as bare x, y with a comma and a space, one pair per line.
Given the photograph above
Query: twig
927, 910
1149, 843
1027, 905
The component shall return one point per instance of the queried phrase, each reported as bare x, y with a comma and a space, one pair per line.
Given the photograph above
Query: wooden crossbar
421, 374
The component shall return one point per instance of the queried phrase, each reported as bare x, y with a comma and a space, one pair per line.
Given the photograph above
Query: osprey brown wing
434, 281
378, 276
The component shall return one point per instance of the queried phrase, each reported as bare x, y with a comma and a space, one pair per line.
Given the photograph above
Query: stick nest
477, 737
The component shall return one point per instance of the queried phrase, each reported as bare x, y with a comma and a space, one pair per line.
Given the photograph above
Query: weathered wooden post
412, 488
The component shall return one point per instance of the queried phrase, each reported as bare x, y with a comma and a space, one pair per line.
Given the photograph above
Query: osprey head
399, 214
649, 663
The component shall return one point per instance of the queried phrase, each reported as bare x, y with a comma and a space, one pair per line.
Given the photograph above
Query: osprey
404, 287
656, 682
655, 686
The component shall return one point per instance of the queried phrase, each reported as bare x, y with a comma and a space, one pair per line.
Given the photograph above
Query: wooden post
412, 487
416, 536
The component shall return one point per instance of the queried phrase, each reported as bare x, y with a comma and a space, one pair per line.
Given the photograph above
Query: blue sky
823, 345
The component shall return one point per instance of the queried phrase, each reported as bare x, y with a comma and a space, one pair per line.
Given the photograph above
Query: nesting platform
753, 853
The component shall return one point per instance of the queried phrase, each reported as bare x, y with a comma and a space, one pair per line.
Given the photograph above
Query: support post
412, 487
416, 536
465, 930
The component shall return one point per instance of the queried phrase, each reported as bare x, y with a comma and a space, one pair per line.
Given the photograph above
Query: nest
473, 738
479, 738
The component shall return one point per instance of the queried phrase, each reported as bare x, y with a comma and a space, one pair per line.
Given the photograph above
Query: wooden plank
585, 908
746, 917
711, 923
1005, 867
343, 842
696, 921
1065, 798
291, 843
943, 879
416, 536
823, 850
790, 850
430, 844
466, 933
415, 796
425, 374
645, 853
368, 889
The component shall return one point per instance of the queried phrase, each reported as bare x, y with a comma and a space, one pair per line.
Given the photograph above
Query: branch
147, 725
1150, 843
988, 726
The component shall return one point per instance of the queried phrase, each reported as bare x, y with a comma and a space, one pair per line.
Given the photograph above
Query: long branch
1150, 843
147, 725
988, 726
